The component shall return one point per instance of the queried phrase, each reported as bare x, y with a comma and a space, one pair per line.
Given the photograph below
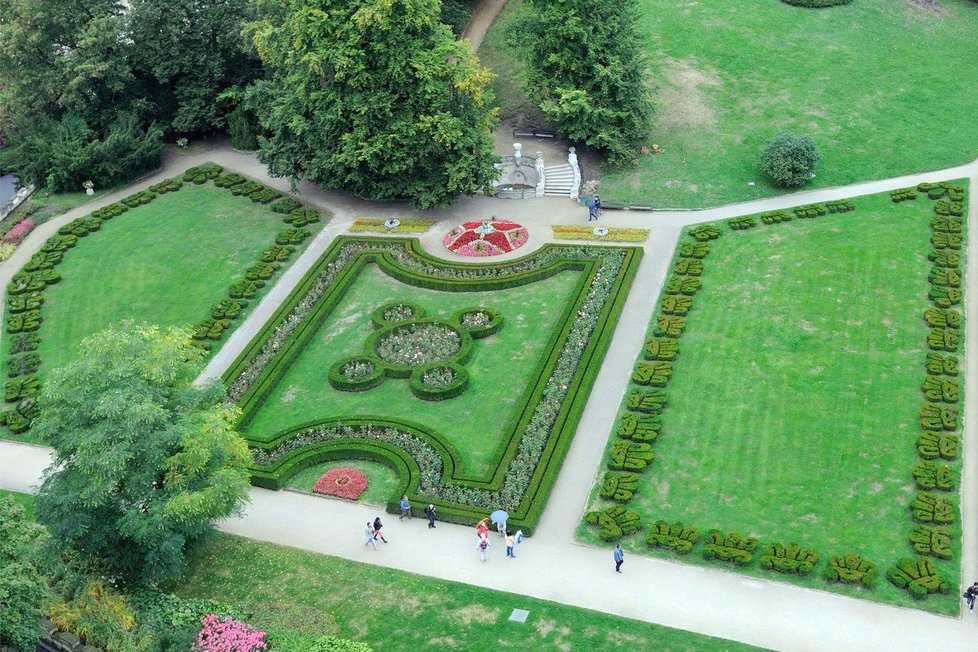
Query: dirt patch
444, 641
289, 394
933, 6
476, 614
544, 627
806, 326
683, 100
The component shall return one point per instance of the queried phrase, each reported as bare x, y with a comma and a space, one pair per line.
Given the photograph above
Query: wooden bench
533, 133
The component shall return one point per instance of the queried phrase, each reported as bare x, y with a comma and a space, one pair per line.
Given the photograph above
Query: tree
375, 97
789, 159
22, 588
145, 461
587, 71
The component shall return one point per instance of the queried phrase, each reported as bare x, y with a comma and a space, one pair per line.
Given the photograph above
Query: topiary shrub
675, 536
851, 569
789, 159
731, 547
816, 4
619, 487
791, 558
931, 540
918, 577
615, 522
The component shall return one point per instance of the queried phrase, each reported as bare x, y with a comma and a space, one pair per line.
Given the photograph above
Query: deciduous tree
145, 461
22, 588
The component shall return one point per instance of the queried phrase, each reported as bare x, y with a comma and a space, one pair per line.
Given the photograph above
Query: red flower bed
486, 238
345, 483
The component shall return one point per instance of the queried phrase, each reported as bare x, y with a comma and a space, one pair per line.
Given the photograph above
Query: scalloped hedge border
25, 291
932, 515
251, 377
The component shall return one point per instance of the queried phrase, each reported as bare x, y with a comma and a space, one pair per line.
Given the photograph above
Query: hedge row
25, 296
541, 428
747, 222
938, 445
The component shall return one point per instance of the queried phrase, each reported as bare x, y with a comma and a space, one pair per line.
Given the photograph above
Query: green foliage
673, 536
588, 72
454, 14
62, 153
619, 487
789, 159
22, 587
149, 476
100, 617
615, 522
918, 577
816, 4
334, 644
851, 569
242, 128
791, 558
731, 547
341, 109
904, 194
931, 508
931, 540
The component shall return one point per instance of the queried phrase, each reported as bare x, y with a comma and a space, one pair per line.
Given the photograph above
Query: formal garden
468, 380
796, 410
197, 251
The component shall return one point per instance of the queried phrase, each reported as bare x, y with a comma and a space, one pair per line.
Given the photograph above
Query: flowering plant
486, 238
228, 635
19, 231
344, 483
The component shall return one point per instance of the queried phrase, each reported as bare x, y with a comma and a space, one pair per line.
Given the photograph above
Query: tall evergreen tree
586, 68
375, 97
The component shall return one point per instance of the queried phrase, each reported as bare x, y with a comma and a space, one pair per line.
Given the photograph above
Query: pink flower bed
345, 483
486, 238
228, 635
19, 231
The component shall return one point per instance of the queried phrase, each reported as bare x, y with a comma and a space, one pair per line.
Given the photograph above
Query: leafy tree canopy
375, 97
587, 71
145, 461
22, 588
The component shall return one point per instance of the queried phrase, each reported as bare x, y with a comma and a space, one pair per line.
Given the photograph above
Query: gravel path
552, 565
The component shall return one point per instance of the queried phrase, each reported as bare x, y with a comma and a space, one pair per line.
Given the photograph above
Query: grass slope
794, 405
878, 84
164, 263
502, 365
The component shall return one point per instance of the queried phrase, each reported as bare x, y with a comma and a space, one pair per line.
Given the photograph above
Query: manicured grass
26, 500
290, 590
497, 54
502, 365
880, 86
381, 480
793, 408
163, 263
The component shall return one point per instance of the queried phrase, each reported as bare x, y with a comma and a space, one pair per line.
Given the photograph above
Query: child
369, 532
484, 548
510, 542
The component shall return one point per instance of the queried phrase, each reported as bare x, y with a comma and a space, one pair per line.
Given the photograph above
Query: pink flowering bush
19, 231
345, 483
228, 635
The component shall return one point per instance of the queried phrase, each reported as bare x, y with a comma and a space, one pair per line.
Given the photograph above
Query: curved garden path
552, 565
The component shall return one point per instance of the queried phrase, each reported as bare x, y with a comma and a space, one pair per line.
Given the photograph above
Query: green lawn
297, 596
793, 409
880, 86
502, 366
381, 480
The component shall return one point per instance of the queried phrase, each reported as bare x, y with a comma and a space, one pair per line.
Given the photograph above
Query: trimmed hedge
329, 280
429, 392
338, 380
25, 291
790, 558
918, 577
732, 548
851, 569
673, 536
478, 331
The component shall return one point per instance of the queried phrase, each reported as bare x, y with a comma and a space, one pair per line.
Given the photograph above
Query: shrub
615, 522
904, 194
246, 188
202, 173
264, 196
170, 185
741, 223
810, 211
619, 487
918, 577
228, 180
673, 536
228, 635
6, 251
301, 217
100, 617
730, 547
789, 159
851, 569
241, 129
931, 540
775, 217
791, 558
286, 206
334, 644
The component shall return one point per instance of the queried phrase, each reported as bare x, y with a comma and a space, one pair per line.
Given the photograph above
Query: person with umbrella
499, 517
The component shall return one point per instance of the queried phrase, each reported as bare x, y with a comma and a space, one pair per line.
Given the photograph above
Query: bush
286, 206
301, 217
241, 129
20, 231
673, 536
789, 159
851, 569
789, 559
228, 635
334, 644
918, 577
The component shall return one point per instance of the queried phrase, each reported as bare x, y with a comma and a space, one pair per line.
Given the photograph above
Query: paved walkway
552, 565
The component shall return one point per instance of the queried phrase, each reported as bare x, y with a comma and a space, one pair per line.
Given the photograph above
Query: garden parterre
815, 385
160, 255
543, 418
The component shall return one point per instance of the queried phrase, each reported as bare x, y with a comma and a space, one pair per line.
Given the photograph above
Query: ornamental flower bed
228, 635
19, 231
486, 238
343, 483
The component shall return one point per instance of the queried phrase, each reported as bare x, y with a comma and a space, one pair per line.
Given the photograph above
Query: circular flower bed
439, 382
344, 483
486, 238
395, 313
356, 374
417, 344
478, 321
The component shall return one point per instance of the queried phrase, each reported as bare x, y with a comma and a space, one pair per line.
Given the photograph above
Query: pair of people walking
429, 511
593, 207
374, 531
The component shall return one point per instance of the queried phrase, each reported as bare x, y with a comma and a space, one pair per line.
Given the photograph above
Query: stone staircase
559, 180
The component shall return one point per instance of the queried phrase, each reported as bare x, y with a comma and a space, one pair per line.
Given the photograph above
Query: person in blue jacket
619, 557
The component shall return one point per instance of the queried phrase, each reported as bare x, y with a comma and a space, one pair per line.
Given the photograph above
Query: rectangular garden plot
195, 251
796, 410
467, 380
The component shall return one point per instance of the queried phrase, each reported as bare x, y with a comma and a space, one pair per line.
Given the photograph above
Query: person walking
484, 548
510, 543
378, 533
517, 541
429, 511
619, 557
591, 215
369, 532
970, 595
405, 508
